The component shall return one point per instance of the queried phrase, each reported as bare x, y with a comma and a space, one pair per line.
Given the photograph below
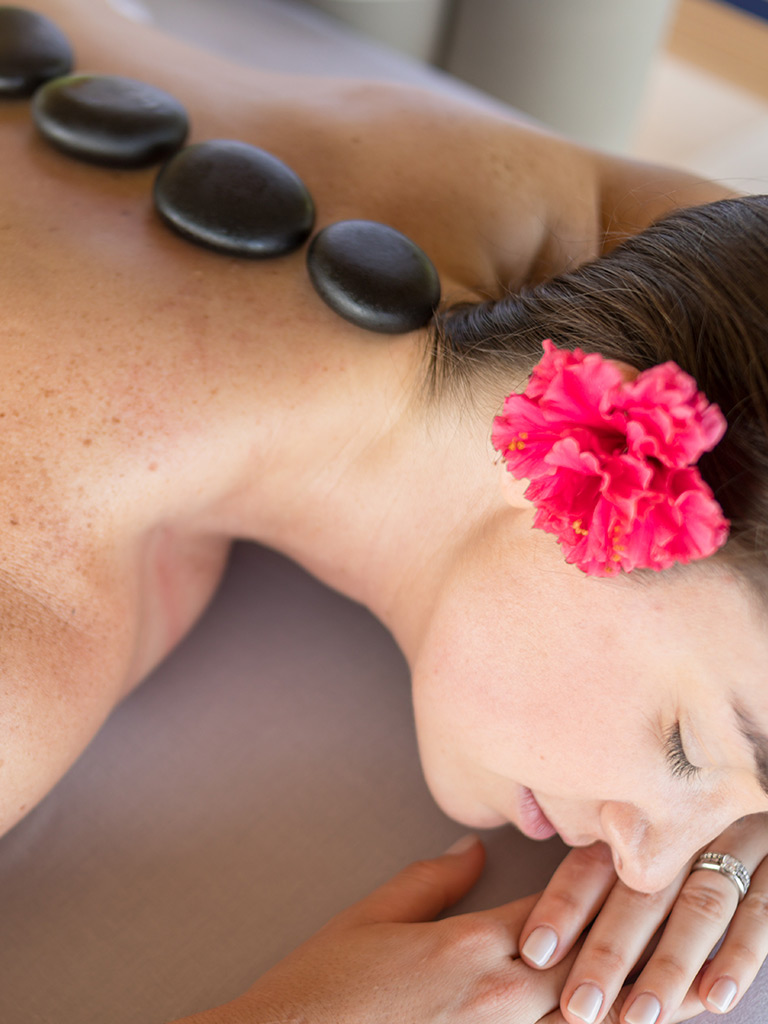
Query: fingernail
645, 1010
585, 1003
462, 844
540, 945
722, 994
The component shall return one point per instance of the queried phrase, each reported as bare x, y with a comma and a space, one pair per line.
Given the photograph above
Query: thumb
425, 888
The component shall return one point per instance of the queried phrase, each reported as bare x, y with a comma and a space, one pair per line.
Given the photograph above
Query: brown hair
692, 288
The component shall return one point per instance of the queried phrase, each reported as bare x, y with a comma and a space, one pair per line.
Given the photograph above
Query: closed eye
678, 763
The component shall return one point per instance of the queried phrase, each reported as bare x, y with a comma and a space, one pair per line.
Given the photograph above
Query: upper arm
592, 201
633, 194
58, 683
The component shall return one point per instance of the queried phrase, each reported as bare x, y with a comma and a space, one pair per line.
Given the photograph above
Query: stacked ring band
728, 866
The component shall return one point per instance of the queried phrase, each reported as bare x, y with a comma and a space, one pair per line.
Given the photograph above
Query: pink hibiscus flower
611, 463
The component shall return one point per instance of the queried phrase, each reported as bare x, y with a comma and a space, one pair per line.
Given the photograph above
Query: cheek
480, 739
447, 735
535, 705
490, 719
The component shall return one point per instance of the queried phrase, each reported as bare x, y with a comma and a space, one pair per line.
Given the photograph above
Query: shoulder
492, 198
634, 193
569, 204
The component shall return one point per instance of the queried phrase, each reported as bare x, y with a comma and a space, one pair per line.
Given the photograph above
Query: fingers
699, 917
690, 1007
738, 960
699, 907
613, 946
425, 888
707, 905
575, 893
515, 992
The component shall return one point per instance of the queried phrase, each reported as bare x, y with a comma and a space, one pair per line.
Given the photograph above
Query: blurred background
683, 82
679, 81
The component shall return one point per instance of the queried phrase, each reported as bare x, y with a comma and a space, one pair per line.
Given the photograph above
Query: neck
374, 492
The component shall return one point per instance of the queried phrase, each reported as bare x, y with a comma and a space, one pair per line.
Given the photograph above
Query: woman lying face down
649, 684
626, 710
622, 708
160, 399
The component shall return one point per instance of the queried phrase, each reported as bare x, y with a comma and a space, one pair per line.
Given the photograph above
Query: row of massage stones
223, 194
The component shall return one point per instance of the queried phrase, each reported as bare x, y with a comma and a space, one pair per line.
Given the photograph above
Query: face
540, 679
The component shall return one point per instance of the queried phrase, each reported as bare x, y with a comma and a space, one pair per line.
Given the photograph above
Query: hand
385, 961
677, 981
690, 1007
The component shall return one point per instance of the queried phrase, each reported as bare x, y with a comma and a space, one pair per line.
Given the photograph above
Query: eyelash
679, 764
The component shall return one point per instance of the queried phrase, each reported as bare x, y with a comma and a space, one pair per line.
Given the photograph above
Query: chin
469, 814
482, 818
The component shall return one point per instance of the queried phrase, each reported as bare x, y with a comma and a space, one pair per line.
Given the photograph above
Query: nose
647, 858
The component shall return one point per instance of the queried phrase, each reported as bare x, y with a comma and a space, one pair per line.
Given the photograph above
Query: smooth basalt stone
234, 198
373, 276
32, 50
110, 120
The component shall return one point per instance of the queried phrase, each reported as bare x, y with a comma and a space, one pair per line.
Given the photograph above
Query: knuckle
563, 903
421, 872
705, 900
608, 959
668, 967
423, 875
756, 906
744, 954
474, 936
587, 861
502, 995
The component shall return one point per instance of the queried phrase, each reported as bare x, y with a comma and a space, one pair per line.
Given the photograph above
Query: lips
533, 822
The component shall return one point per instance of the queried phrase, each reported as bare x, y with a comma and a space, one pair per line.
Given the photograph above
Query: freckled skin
155, 397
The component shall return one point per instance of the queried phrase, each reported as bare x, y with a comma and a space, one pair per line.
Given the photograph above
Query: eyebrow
757, 740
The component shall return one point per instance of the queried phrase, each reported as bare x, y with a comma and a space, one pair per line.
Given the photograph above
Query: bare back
145, 379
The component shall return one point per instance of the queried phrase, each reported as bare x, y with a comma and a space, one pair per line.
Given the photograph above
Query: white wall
412, 26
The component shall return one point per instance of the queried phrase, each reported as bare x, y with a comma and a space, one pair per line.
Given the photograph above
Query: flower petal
667, 417
610, 463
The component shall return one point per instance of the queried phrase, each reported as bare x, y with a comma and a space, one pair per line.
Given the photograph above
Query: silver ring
728, 866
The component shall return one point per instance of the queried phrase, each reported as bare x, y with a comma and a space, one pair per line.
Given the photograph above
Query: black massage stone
32, 51
110, 120
234, 198
373, 276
